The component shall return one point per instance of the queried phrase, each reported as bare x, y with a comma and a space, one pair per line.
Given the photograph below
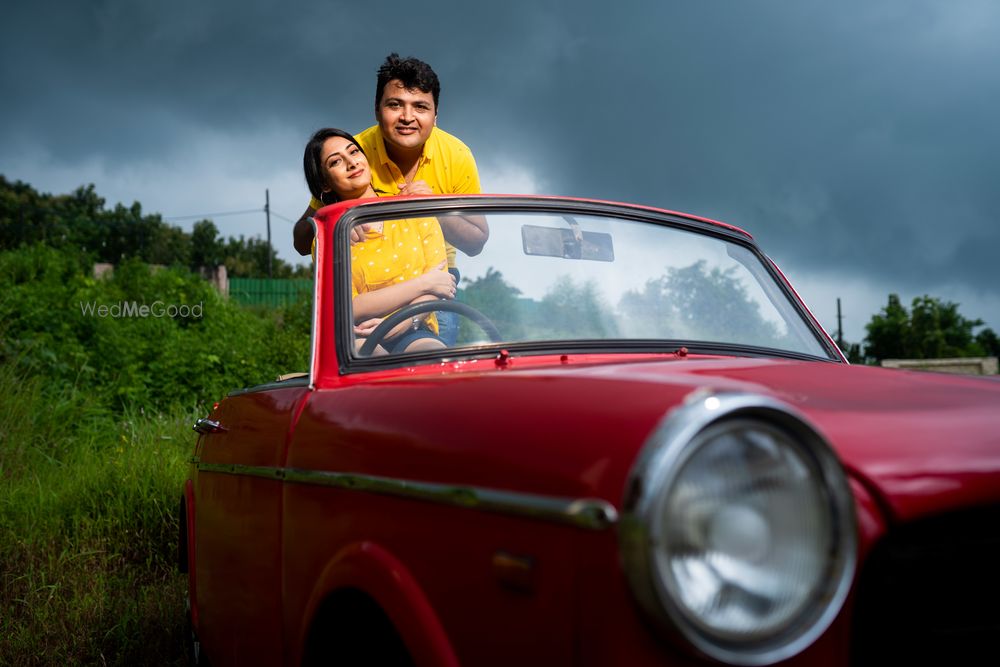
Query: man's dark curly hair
412, 73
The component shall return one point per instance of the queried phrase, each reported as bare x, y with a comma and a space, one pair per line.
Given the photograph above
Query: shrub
54, 327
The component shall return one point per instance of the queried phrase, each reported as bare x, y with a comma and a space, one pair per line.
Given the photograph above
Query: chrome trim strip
270, 386
588, 513
265, 472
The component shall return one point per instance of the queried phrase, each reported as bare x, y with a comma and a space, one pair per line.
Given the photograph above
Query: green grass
88, 530
95, 432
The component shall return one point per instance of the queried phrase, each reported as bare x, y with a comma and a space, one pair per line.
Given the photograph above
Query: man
409, 155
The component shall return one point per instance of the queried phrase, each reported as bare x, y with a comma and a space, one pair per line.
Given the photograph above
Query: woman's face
345, 167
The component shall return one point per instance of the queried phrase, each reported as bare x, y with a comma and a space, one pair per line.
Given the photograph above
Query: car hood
920, 442
923, 442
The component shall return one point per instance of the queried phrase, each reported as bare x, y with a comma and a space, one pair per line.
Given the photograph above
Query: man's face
406, 115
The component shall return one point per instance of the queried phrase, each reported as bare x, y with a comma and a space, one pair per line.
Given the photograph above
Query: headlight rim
667, 450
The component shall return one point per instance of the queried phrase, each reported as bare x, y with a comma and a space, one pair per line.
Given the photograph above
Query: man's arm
468, 233
303, 233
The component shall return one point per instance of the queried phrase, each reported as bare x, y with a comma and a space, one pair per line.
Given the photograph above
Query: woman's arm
436, 283
303, 233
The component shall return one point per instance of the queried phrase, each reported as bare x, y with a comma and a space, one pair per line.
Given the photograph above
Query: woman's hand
438, 282
358, 232
367, 327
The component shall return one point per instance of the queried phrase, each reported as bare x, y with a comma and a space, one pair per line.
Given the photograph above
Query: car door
238, 524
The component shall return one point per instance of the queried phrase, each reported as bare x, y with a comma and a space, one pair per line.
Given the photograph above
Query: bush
54, 328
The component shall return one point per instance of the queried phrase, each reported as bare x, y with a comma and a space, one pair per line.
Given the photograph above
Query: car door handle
206, 425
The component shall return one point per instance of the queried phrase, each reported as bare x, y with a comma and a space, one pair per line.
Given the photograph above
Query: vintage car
642, 449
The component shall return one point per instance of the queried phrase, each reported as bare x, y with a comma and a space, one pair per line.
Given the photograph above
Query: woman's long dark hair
312, 162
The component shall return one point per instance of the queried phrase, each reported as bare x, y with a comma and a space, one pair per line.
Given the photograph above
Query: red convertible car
639, 449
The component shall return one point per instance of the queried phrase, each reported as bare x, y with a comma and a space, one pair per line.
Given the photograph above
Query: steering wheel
407, 312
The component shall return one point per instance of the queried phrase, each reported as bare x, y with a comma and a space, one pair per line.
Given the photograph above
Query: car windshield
567, 275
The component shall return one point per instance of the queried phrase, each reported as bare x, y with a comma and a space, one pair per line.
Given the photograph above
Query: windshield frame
432, 206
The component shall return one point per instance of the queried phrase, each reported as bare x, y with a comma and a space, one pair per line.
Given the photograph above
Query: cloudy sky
858, 141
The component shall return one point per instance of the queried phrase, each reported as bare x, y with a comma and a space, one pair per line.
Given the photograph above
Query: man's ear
435, 120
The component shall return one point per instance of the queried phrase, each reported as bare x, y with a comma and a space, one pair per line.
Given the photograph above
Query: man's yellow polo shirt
447, 166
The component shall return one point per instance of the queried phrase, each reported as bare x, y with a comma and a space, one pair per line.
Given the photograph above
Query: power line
225, 213
278, 215
212, 215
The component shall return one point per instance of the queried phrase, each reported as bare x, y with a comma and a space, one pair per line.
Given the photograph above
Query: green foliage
88, 529
932, 329
498, 300
52, 325
80, 221
694, 303
574, 310
988, 340
568, 310
207, 248
95, 420
95, 431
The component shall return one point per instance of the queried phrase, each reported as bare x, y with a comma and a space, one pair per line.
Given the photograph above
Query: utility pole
840, 326
267, 213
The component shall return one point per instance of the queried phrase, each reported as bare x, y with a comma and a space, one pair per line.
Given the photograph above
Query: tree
572, 310
888, 331
695, 303
498, 300
931, 329
989, 342
206, 246
80, 220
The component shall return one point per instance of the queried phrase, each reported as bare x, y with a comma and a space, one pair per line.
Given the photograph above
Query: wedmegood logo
124, 309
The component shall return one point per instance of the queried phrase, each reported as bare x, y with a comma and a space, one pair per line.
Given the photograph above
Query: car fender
374, 570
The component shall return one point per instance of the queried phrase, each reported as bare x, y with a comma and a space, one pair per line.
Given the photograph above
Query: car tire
350, 629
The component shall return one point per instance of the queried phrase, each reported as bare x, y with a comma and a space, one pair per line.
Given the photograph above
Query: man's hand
416, 188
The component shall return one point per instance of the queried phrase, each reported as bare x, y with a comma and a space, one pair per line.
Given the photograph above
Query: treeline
80, 220
930, 329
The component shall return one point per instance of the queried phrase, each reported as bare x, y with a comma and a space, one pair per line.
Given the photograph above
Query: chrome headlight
738, 531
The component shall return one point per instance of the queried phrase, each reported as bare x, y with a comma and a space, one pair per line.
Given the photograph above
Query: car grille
929, 593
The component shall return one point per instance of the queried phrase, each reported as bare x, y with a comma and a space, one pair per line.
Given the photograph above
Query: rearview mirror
567, 243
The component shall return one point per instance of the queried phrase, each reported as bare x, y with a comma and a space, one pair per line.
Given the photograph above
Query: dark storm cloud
102, 77
857, 137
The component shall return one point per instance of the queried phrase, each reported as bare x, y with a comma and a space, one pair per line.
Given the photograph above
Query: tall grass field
95, 435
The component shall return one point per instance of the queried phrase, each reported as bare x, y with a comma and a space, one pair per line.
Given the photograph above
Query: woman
394, 263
